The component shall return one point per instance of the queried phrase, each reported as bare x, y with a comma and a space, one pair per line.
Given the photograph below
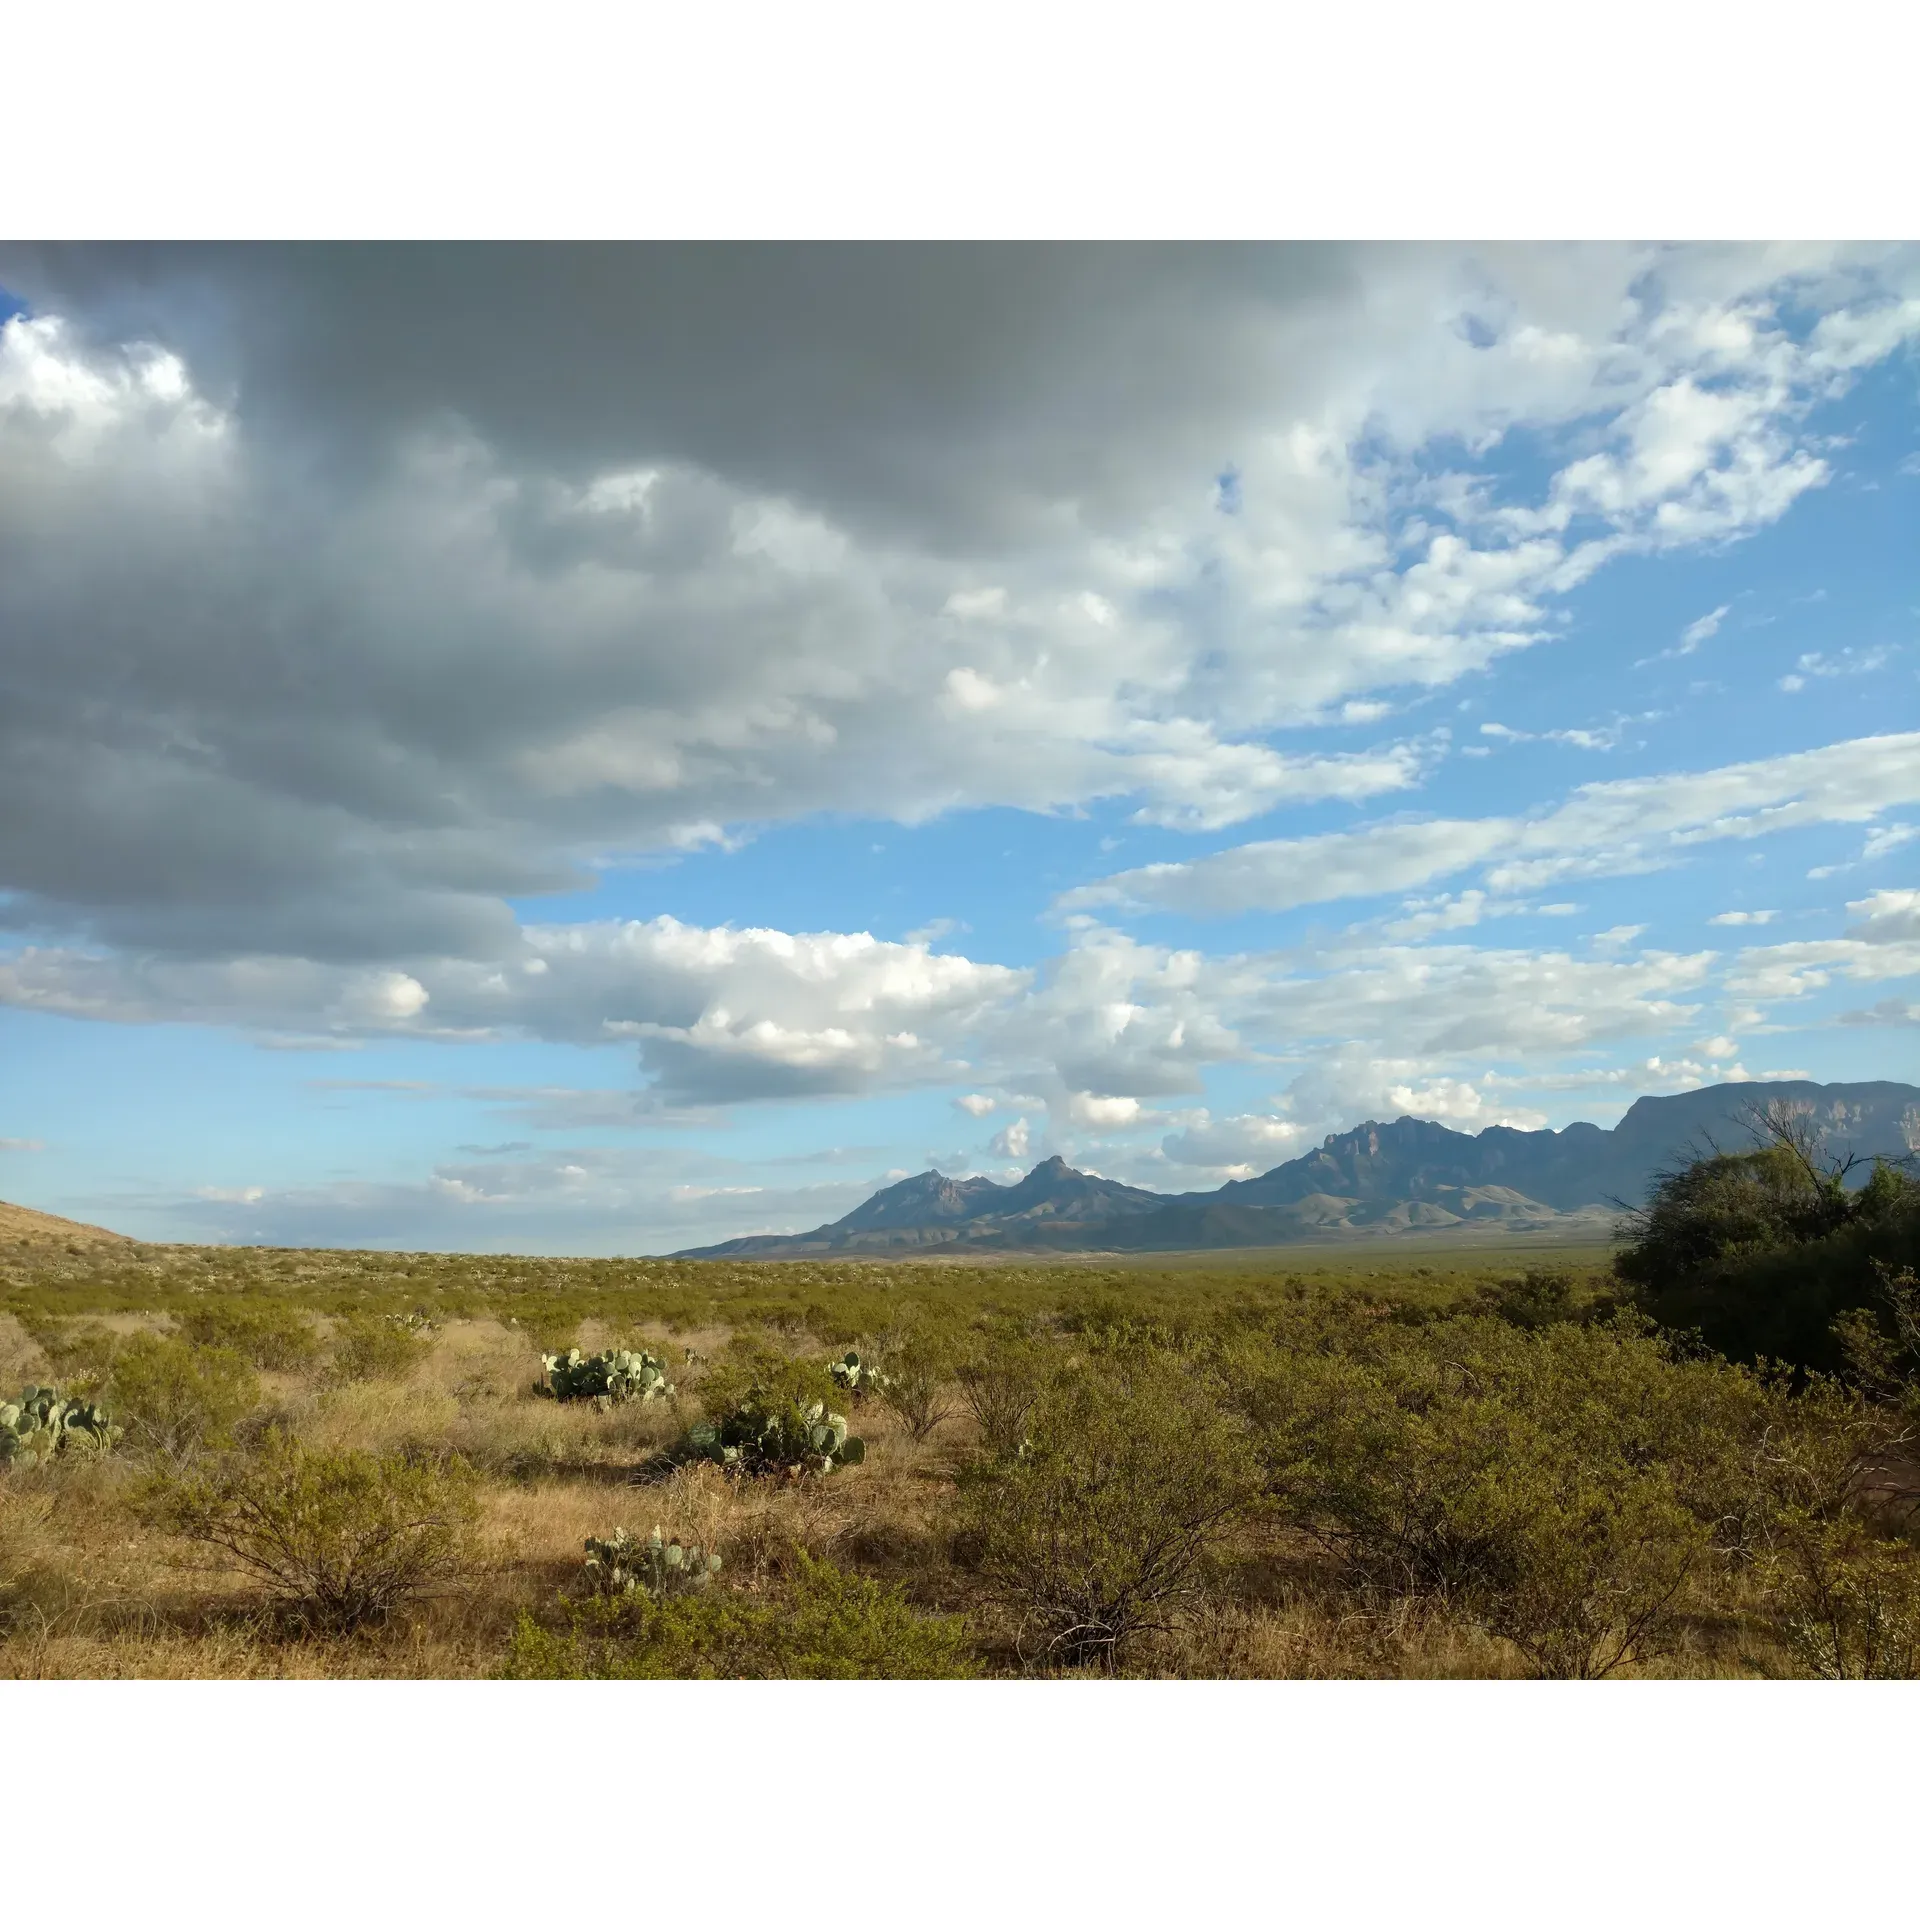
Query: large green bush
176, 1398
1761, 1253
1098, 1530
338, 1539
1001, 1376
374, 1346
912, 1368
1851, 1602
270, 1333
827, 1625
1555, 1487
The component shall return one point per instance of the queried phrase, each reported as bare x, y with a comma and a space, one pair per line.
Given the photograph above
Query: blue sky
504, 749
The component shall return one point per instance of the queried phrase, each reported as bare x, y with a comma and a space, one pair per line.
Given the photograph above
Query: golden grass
87, 1590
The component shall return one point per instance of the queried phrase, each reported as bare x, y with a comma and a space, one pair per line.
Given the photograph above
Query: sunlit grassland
834, 1298
91, 1583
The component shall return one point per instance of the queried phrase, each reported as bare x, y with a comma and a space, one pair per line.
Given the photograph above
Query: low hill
1403, 1176
23, 1226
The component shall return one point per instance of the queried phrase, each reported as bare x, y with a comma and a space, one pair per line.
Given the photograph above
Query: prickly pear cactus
758, 1437
604, 1378
38, 1424
622, 1563
856, 1375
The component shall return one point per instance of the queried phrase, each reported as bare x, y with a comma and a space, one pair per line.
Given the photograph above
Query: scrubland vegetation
1693, 1460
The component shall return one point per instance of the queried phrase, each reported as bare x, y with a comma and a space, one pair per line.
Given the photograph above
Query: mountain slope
1392, 1177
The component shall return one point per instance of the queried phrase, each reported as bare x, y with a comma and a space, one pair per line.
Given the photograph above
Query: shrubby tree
1762, 1252
374, 1346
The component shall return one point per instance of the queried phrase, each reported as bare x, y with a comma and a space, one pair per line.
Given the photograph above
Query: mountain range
1384, 1177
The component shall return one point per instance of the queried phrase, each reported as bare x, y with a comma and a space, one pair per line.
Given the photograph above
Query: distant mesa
1384, 1178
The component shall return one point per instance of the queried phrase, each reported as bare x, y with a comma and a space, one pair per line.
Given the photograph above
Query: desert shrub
80, 1351
179, 1399
752, 1365
1850, 1603
1815, 1456
1001, 1378
270, 1333
371, 1346
827, 1625
1880, 1345
550, 1324
912, 1368
1100, 1529
1586, 1568
29, 1586
339, 1539
1540, 1298
1555, 1488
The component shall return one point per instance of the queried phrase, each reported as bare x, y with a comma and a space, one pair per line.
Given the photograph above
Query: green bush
1099, 1530
1540, 1298
754, 1367
270, 1333
1851, 1603
179, 1399
1762, 1253
827, 1625
912, 1369
371, 1346
339, 1539
1880, 1345
1556, 1488
1724, 1205
1001, 1378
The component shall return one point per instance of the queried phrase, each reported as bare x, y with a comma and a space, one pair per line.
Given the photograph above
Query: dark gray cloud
954, 394
348, 593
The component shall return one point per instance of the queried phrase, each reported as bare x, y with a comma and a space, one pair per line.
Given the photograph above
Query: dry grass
22, 1358
88, 1590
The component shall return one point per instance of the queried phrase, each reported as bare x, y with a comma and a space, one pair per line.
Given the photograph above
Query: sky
601, 749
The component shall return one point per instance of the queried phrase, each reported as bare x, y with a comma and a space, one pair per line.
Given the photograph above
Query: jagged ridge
1399, 1176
